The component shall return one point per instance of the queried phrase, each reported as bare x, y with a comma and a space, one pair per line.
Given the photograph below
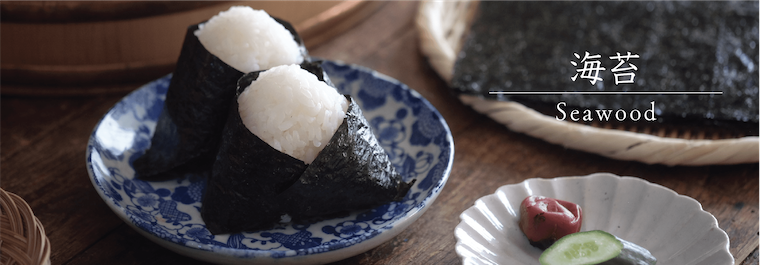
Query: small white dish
673, 227
415, 135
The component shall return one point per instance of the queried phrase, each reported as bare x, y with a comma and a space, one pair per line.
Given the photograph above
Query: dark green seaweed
683, 46
253, 185
246, 178
194, 111
190, 125
352, 172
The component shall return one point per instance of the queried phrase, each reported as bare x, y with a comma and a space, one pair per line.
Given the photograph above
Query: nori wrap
352, 172
683, 46
253, 185
190, 125
246, 178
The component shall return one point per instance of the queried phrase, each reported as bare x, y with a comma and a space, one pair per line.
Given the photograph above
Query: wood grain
43, 141
74, 48
84, 11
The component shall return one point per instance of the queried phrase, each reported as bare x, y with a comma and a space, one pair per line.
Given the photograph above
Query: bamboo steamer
87, 47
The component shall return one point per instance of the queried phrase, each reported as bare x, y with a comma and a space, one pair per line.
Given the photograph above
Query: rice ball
248, 40
291, 110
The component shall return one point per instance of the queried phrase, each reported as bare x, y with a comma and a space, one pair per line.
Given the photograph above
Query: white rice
248, 40
292, 111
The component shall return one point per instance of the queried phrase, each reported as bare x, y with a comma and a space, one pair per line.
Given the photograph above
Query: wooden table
44, 140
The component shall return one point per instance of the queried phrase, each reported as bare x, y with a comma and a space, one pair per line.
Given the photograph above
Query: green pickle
595, 247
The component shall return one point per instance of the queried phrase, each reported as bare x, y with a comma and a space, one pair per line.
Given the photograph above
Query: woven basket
22, 237
441, 26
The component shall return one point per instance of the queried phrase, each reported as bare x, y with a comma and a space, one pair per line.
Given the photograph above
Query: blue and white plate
411, 130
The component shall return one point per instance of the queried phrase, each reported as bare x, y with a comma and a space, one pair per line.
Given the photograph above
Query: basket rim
438, 22
23, 236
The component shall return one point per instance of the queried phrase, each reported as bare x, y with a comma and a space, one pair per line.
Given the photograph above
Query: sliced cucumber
595, 247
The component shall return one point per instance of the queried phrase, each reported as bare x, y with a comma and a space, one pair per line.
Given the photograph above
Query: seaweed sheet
253, 185
352, 172
683, 46
246, 178
190, 125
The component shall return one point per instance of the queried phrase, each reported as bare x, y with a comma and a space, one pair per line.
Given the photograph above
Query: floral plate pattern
673, 227
410, 129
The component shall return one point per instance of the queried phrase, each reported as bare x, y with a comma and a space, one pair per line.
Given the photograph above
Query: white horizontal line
606, 92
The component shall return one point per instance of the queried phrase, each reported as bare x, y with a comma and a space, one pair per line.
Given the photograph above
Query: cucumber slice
595, 247
580, 248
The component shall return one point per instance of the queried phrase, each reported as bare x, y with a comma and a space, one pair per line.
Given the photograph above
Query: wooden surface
43, 161
64, 56
85, 11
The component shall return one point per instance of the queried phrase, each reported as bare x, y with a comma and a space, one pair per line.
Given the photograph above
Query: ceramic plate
413, 133
673, 227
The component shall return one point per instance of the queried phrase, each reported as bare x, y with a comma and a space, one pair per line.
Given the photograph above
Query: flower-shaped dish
673, 227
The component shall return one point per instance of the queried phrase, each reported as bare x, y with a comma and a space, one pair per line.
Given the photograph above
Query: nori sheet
253, 185
246, 178
352, 172
190, 125
683, 46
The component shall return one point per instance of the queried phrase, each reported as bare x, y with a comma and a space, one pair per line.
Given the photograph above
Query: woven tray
441, 26
22, 237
